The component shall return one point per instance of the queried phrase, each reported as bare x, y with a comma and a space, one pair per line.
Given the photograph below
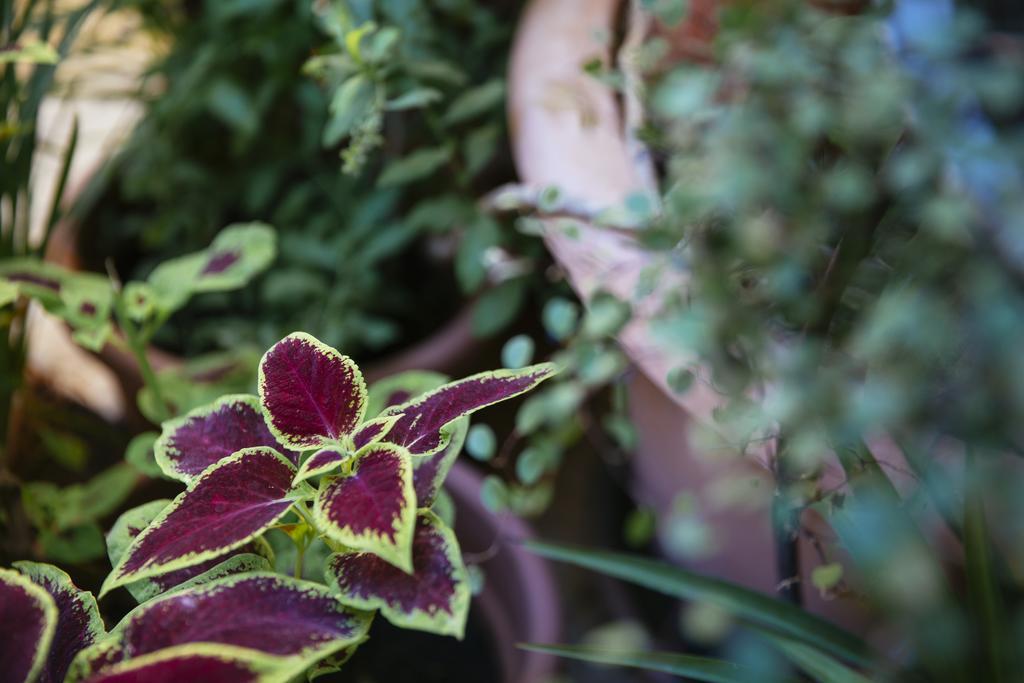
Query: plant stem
982, 589
137, 345
786, 527
300, 554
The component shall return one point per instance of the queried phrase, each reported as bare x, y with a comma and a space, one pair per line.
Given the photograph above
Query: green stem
137, 345
300, 554
982, 589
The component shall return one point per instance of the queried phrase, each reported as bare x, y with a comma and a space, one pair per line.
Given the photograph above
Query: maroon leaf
373, 430
223, 509
373, 507
434, 597
130, 524
191, 443
265, 612
311, 394
199, 663
28, 619
79, 623
420, 428
321, 462
430, 471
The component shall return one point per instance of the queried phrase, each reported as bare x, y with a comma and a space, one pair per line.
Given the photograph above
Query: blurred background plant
240, 116
842, 190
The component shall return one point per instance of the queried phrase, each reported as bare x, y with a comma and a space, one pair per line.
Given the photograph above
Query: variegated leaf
222, 509
434, 597
323, 461
424, 417
198, 663
28, 620
264, 612
130, 524
79, 624
237, 254
373, 507
311, 395
191, 443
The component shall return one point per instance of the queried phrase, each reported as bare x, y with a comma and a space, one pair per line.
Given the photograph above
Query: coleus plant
91, 303
303, 457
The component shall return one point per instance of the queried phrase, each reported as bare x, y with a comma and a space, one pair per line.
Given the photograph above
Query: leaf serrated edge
114, 581
37, 571
439, 623
543, 371
304, 443
307, 471
399, 552
49, 607
266, 668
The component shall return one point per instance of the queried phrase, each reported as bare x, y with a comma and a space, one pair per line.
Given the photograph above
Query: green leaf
238, 253
476, 101
983, 594
817, 664
470, 267
481, 442
352, 103
695, 668
414, 99
8, 292
517, 352
560, 317
480, 147
414, 166
825, 577
746, 604
32, 51
606, 315
498, 307
139, 454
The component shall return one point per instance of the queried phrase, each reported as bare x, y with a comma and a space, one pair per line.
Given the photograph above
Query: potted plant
250, 464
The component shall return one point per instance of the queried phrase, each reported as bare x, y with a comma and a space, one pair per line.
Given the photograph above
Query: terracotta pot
519, 601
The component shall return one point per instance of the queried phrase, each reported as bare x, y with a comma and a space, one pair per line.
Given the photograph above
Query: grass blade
695, 668
746, 604
818, 665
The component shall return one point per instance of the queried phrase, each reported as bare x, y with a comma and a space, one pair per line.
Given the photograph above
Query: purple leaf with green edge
430, 471
434, 597
99, 656
28, 619
311, 394
321, 462
420, 428
237, 254
189, 444
264, 612
373, 430
79, 624
199, 663
224, 508
373, 507
130, 524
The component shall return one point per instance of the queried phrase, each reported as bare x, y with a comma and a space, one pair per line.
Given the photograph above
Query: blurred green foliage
247, 129
849, 220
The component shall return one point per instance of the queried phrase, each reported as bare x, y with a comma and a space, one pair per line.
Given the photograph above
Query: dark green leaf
695, 668
746, 604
